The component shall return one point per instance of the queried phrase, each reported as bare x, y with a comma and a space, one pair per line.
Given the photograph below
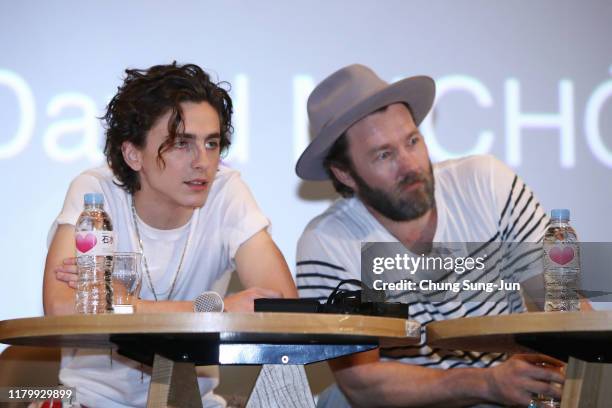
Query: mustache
410, 178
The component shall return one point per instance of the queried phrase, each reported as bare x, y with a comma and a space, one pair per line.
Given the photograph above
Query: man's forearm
58, 306
393, 384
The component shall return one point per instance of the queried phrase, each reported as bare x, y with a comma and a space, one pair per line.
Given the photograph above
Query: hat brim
418, 92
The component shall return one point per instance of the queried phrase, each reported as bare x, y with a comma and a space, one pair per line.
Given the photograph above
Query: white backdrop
527, 81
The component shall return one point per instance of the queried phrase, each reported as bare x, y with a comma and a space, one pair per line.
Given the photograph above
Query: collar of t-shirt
163, 250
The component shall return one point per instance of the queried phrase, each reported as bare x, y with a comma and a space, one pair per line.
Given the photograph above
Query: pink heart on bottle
561, 255
85, 242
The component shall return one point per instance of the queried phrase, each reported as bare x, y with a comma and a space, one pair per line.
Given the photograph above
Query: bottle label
94, 243
562, 254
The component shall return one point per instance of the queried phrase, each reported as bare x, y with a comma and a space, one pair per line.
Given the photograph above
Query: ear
132, 156
344, 177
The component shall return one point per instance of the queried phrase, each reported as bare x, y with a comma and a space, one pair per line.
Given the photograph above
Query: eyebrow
192, 136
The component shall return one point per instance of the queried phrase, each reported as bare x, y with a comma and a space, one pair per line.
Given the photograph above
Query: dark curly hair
147, 94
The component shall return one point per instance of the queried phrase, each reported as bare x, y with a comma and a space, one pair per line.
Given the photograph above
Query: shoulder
481, 171
475, 165
100, 180
231, 200
337, 229
225, 173
95, 180
227, 180
92, 180
228, 188
335, 220
474, 174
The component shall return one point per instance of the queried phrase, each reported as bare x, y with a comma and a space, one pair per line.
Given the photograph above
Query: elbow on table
54, 306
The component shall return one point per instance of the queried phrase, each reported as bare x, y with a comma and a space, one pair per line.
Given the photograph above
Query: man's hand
67, 272
244, 301
515, 381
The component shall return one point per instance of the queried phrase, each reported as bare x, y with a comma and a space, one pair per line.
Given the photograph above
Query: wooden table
584, 339
174, 343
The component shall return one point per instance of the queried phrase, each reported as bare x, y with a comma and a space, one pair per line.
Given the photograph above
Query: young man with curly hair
168, 196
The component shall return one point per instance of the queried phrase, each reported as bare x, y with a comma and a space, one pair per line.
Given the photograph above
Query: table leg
173, 385
281, 386
587, 385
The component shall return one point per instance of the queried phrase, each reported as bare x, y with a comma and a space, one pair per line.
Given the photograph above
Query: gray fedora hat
345, 97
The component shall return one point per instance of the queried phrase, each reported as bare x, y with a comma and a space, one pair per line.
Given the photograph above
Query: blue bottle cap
93, 199
562, 214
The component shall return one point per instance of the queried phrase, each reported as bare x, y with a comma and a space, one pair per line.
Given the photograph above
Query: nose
199, 159
406, 161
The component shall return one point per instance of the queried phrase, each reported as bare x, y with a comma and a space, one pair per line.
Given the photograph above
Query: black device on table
340, 301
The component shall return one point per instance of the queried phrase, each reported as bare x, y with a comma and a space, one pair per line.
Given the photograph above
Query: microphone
208, 302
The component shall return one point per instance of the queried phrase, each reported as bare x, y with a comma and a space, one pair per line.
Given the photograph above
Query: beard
400, 206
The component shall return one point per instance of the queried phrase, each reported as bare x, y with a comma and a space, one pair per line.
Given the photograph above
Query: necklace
144, 259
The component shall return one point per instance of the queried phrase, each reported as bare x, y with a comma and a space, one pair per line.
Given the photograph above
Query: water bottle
561, 264
95, 245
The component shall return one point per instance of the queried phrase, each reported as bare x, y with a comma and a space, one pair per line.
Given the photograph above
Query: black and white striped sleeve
521, 217
522, 220
323, 261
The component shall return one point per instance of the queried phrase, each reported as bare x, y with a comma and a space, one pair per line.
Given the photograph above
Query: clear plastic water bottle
95, 244
561, 264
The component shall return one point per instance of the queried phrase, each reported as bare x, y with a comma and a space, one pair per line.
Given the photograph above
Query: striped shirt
478, 200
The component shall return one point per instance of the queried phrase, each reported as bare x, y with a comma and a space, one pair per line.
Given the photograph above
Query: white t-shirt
214, 233
478, 200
